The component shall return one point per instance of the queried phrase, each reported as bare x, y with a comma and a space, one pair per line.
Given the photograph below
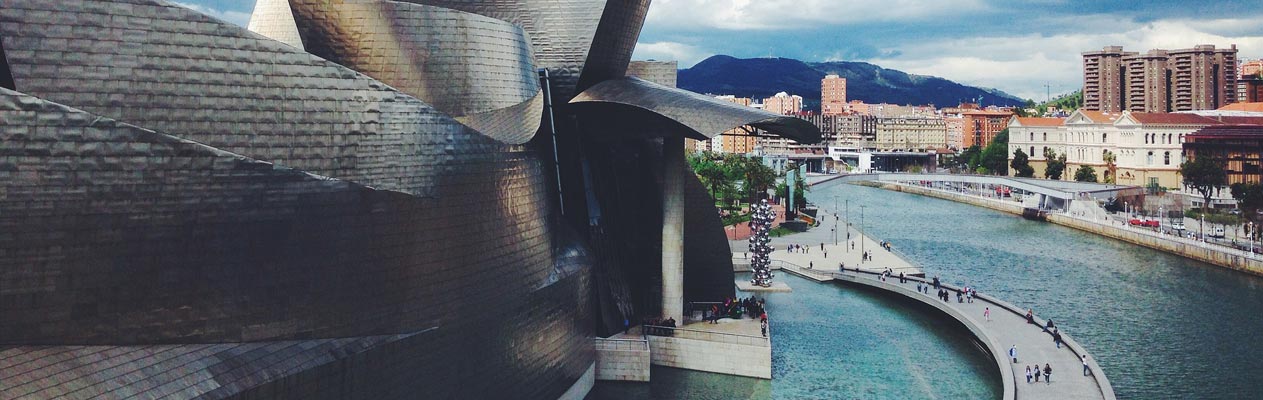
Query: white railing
604, 344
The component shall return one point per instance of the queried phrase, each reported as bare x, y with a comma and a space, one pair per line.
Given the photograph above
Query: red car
1136, 222
1153, 223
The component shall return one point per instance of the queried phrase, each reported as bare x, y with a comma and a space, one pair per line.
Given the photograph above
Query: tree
710, 172
1250, 200
1056, 164
969, 159
758, 178
1021, 165
800, 191
995, 157
1205, 175
1085, 173
1111, 170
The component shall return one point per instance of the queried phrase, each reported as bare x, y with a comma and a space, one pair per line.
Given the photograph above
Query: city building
1035, 136
739, 140
911, 133
1103, 87
1252, 67
201, 211
783, 104
833, 95
1239, 146
1145, 148
1198, 78
1250, 89
982, 126
955, 126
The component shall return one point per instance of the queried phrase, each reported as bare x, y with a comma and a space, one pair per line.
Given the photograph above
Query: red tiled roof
1257, 107
987, 113
1100, 117
1173, 119
1033, 121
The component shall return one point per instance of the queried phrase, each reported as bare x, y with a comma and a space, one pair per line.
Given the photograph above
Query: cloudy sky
1015, 45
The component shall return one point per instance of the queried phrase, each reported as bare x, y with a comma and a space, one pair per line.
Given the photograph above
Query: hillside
763, 77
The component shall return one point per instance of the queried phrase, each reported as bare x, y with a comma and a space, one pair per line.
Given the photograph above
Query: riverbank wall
1210, 254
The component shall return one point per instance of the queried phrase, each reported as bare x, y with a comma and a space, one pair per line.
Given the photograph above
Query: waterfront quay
1089, 217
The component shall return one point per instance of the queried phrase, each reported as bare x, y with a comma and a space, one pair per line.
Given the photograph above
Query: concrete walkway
1006, 327
832, 256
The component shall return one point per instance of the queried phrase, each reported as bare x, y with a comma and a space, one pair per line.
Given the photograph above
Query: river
1161, 326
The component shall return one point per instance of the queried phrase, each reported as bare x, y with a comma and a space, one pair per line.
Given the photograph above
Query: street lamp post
862, 253
848, 224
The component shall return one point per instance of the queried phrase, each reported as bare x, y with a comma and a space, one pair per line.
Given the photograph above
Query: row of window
1082, 155
1150, 138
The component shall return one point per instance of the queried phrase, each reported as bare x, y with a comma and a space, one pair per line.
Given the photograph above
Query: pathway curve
1006, 327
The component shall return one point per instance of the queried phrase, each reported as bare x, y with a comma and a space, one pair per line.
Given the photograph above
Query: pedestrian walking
1028, 374
1057, 338
626, 325
1013, 353
1047, 373
1086, 370
1037, 373
763, 326
986, 313
821, 246
811, 265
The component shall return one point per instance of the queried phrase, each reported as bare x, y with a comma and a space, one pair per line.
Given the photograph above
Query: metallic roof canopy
623, 104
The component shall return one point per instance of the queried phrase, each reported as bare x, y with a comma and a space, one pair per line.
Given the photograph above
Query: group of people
1047, 372
734, 307
885, 245
798, 248
659, 326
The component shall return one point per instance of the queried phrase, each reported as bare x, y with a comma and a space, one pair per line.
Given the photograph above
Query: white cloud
789, 14
235, 17
685, 54
1023, 64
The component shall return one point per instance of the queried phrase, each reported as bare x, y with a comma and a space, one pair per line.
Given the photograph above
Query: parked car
1217, 233
1136, 222
1179, 226
1153, 223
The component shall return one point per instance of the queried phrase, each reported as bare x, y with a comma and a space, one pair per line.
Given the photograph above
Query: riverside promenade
1006, 327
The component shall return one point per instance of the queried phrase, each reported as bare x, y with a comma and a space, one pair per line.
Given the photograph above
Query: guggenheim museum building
351, 199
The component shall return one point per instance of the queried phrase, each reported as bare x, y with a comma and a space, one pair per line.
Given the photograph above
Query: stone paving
833, 255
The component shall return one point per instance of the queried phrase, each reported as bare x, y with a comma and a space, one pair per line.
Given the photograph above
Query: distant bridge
1061, 192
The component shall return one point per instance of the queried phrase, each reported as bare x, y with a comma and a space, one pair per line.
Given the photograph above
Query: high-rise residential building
1203, 78
784, 104
1103, 79
833, 95
1148, 82
982, 126
1199, 78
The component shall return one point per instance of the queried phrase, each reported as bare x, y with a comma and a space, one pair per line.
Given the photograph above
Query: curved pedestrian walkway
1007, 327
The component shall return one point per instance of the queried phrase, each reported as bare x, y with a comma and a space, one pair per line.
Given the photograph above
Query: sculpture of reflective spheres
370, 208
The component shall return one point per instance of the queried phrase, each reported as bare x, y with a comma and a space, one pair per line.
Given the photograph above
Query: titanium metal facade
189, 209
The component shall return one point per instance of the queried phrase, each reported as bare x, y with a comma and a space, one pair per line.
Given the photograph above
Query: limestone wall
740, 359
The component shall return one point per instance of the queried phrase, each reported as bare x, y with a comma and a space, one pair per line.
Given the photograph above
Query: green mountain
764, 77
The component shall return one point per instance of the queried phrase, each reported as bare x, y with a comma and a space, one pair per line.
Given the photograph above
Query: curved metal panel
614, 42
476, 68
561, 32
272, 18
704, 116
263, 194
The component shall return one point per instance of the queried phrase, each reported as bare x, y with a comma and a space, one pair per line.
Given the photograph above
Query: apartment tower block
1200, 78
833, 95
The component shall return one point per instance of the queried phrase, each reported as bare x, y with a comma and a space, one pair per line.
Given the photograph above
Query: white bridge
1051, 194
